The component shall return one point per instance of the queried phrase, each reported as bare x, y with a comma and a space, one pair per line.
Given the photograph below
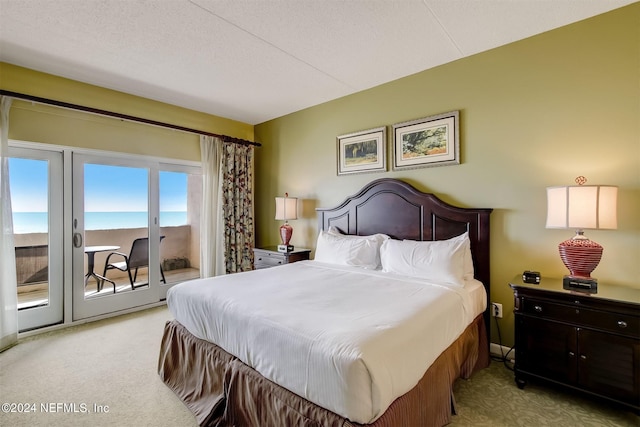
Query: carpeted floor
104, 374
110, 363
491, 399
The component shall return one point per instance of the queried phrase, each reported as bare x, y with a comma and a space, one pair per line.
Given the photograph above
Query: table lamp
581, 207
286, 209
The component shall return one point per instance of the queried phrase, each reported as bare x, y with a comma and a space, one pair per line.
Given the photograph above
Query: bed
309, 352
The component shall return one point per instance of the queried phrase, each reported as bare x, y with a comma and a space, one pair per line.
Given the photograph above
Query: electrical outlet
497, 310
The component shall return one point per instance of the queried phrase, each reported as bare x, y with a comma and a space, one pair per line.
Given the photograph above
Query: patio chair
138, 257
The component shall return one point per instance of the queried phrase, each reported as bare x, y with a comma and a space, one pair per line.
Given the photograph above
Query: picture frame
363, 151
427, 142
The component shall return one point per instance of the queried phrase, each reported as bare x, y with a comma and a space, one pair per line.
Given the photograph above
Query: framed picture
363, 151
432, 141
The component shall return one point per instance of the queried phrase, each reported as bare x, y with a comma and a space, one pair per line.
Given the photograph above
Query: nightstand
588, 342
270, 257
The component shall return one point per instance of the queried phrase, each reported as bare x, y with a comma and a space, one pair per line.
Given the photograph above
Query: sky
28, 179
107, 188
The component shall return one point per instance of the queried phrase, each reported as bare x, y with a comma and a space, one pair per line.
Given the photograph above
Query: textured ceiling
254, 60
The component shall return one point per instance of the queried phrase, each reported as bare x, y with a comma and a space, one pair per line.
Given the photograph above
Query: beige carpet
112, 364
491, 399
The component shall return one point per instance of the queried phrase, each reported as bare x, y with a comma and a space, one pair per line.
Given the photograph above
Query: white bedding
347, 339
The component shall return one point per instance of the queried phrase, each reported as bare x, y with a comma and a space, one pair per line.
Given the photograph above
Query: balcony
179, 255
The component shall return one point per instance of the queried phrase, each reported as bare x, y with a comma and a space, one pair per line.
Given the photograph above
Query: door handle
77, 240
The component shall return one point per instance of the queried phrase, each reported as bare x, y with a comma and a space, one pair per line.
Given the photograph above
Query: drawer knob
622, 323
571, 354
537, 308
583, 357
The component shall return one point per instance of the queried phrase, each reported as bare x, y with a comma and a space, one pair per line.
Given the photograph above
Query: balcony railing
179, 255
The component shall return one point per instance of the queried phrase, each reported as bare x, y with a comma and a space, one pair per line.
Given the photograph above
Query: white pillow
468, 260
359, 251
334, 230
378, 238
441, 261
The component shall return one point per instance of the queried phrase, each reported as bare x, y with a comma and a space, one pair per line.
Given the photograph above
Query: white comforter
347, 339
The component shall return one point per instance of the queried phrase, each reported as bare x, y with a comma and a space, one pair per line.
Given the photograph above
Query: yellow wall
53, 125
535, 113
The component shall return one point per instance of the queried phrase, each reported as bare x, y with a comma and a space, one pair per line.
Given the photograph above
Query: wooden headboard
395, 208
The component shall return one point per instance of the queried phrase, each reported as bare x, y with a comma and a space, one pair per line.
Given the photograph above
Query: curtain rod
91, 110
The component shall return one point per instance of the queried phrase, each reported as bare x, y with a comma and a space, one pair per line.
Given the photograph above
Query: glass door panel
35, 178
180, 203
116, 215
115, 266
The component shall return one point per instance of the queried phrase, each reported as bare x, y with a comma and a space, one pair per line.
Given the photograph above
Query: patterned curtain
237, 209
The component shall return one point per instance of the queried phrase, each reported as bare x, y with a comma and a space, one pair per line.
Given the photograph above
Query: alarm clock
531, 277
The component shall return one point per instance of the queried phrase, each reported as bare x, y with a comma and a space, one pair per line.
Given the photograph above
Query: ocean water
36, 222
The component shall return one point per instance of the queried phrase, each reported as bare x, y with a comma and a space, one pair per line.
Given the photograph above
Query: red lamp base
286, 231
580, 255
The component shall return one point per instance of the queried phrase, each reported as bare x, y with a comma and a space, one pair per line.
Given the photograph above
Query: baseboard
500, 351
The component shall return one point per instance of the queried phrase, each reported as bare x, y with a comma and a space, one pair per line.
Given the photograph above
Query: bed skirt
221, 390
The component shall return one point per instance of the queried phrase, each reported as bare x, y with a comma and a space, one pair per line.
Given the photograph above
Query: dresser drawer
617, 323
270, 257
264, 259
623, 324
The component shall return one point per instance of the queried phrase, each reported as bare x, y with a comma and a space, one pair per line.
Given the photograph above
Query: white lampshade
582, 207
286, 208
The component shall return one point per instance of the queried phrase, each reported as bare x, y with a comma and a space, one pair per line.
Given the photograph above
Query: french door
97, 233
116, 238
35, 177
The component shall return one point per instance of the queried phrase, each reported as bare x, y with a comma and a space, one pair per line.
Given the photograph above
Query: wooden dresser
589, 342
270, 257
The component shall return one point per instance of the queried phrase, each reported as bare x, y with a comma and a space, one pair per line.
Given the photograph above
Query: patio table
91, 253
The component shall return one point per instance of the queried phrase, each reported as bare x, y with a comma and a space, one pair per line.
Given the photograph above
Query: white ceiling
254, 60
